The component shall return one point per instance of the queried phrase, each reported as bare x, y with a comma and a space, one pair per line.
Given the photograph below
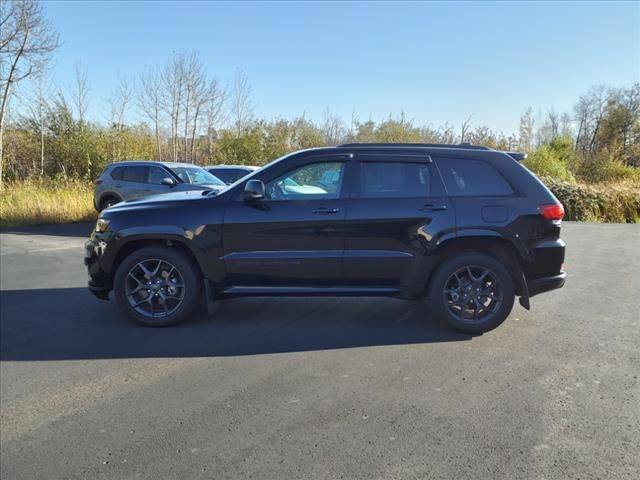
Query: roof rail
466, 146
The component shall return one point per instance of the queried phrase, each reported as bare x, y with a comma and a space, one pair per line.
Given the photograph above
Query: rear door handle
325, 211
433, 208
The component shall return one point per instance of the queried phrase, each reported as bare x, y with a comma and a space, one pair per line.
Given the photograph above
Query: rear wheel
158, 286
108, 202
473, 292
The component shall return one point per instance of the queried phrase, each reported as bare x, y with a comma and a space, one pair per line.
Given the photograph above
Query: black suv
466, 226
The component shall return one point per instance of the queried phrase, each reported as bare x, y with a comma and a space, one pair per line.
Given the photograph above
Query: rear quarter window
468, 178
116, 173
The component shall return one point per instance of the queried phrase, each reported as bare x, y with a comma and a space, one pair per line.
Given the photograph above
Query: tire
108, 201
467, 300
169, 294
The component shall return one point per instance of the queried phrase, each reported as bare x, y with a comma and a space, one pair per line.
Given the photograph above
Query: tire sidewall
456, 262
190, 275
105, 201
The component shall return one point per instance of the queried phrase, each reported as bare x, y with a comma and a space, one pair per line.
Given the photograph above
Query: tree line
184, 114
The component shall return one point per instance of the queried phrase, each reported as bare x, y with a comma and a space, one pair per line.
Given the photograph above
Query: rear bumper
545, 284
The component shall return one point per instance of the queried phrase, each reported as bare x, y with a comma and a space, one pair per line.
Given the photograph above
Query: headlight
102, 225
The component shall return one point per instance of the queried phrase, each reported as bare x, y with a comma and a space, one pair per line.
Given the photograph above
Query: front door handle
433, 208
325, 211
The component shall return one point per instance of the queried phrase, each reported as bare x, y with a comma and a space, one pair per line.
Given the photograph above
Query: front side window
196, 176
394, 180
157, 174
465, 178
135, 173
315, 181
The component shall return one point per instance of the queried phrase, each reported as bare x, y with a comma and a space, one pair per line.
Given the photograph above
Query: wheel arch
108, 194
490, 243
135, 244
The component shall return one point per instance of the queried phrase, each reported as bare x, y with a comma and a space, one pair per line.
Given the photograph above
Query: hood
161, 200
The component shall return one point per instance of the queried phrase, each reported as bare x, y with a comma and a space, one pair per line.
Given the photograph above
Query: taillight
98, 182
552, 211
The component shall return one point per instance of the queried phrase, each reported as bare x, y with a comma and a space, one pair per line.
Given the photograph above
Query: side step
307, 291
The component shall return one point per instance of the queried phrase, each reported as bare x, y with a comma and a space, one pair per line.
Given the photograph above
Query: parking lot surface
319, 387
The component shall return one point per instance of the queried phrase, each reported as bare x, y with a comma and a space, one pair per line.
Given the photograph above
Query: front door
292, 237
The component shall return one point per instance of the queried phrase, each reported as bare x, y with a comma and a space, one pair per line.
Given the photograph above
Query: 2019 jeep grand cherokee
468, 227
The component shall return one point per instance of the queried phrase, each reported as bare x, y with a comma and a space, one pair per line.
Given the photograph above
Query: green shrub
553, 160
614, 202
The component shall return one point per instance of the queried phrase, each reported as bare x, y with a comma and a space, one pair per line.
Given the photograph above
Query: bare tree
120, 100
149, 100
333, 130
80, 92
194, 100
173, 89
26, 41
242, 106
553, 123
216, 99
526, 129
464, 128
38, 106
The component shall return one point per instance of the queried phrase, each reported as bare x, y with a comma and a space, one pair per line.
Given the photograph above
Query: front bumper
99, 282
545, 284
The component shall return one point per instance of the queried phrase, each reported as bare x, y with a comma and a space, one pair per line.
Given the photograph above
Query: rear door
134, 182
395, 216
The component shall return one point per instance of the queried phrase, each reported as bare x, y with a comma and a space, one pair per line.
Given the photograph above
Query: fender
204, 243
488, 233
492, 232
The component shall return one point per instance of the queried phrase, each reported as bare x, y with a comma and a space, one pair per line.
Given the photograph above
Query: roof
466, 146
244, 167
444, 146
154, 162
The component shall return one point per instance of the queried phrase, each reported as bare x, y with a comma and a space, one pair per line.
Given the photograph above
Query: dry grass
34, 202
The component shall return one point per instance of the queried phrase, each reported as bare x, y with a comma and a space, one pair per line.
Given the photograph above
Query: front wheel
158, 286
473, 292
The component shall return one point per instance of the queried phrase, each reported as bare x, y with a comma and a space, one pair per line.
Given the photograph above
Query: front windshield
196, 176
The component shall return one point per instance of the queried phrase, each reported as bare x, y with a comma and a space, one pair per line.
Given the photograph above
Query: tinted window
157, 174
135, 174
228, 175
196, 176
116, 173
394, 180
318, 180
472, 177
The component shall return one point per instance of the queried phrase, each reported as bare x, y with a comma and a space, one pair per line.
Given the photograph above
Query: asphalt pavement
287, 388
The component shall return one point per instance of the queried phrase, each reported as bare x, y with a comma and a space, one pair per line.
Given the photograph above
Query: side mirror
168, 181
254, 190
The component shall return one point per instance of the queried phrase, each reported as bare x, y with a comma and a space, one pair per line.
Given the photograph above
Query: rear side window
466, 178
227, 175
394, 180
116, 173
136, 173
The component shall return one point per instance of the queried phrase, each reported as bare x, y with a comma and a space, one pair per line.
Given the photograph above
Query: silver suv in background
136, 179
230, 173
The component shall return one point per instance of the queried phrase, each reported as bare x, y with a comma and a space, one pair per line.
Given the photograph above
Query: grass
45, 201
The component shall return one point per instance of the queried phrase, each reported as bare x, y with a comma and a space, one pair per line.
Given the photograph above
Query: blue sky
437, 62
